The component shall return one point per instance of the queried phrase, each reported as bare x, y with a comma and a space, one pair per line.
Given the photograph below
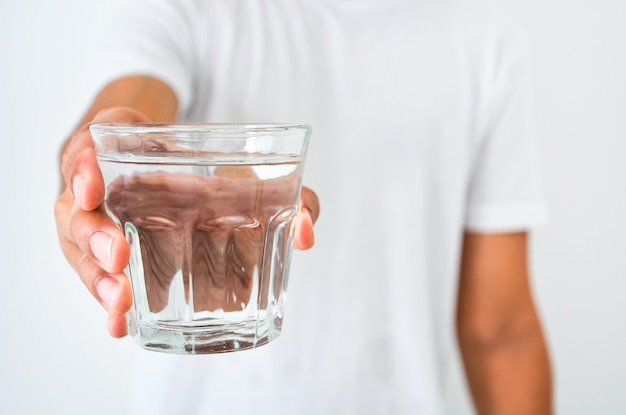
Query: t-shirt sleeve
505, 193
150, 38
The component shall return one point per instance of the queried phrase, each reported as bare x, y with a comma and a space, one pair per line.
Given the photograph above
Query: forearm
508, 370
501, 340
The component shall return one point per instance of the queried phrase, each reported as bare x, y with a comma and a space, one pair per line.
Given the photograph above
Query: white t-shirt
421, 128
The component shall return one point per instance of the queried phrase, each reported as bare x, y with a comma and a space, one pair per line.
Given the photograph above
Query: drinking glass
208, 211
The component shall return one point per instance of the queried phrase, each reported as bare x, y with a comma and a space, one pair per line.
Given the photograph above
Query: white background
55, 354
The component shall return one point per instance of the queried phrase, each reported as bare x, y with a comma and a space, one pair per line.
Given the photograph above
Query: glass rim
196, 128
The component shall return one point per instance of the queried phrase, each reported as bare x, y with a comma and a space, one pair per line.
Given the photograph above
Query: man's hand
91, 242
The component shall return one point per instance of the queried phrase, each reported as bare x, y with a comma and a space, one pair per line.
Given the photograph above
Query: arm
501, 340
92, 244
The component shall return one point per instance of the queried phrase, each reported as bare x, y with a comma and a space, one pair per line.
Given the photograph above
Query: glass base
222, 338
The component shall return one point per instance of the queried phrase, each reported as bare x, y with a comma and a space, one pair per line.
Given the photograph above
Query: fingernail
309, 239
101, 244
106, 289
77, 187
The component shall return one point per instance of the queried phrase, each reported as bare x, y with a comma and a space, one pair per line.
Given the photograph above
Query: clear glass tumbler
208, 213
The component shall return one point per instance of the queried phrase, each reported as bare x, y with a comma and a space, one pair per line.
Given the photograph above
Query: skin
500, 336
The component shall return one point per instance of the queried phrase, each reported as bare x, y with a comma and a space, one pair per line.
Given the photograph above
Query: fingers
110, 287
310, 201
97, 236
304, 237
117, 326
80, 170
91, 242
309, 211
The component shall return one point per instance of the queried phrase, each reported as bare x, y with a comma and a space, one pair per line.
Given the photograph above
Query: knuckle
62, 213
89, 272
60, 207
